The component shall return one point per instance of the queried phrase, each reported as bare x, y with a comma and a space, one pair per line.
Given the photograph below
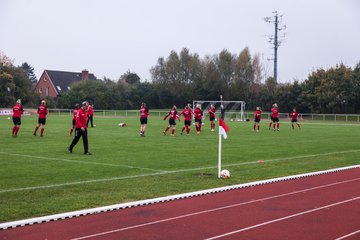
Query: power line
276, 40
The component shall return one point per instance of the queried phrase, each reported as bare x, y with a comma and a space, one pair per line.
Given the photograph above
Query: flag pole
219, 154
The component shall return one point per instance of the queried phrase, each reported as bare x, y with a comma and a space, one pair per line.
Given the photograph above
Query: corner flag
223, 129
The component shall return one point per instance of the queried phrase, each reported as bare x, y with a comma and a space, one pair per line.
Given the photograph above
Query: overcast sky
110, 37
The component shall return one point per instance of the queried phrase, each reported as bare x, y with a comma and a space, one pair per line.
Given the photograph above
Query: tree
29, 71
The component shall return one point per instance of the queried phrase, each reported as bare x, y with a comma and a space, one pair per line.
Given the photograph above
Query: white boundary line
162, 172
348, 235
161, 199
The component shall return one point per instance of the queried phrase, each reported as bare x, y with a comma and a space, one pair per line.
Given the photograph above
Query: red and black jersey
274, 112
212, 112
198, 113
42, 111
257, 114
294, 115
187, 114
144, 112
173, 114
81, 118
17, 110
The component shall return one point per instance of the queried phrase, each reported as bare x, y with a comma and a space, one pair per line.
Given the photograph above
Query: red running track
320, 207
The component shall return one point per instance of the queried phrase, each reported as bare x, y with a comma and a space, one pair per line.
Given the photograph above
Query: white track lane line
348, 235
283, 218
213, 210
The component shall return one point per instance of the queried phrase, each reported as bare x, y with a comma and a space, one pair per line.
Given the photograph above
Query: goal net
234, 110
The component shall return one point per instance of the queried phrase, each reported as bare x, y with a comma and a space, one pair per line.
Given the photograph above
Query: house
54, 83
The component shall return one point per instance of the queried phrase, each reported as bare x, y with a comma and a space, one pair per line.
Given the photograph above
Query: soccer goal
234, 110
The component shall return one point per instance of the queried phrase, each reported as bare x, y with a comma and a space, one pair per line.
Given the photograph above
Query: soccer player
144, 113
16, 117
76, 109
90, 115
257, 119
198, 118
172, 120
42, 112
212, 117
81, 128
187, 112
294, 118
275, 117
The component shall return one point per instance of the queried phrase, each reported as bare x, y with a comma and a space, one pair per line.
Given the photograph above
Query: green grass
39, 177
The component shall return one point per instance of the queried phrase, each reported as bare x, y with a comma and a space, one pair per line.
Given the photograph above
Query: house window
47, 91
40, 90
69, 88
58, 88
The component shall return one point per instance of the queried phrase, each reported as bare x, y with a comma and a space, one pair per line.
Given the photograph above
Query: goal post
234, 110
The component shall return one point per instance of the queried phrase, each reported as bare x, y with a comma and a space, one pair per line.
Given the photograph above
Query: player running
42, 112
275, 117
294, 118
172, 120
212, 111
187, 112
16, 117
144, 113
76, 109
257, 119
198, 113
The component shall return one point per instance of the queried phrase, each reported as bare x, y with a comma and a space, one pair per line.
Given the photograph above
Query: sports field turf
39, 177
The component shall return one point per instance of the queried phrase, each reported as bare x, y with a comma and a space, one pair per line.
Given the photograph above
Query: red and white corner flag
223, 129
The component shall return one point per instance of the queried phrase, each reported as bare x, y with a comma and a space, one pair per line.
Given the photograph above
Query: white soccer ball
122, 125
225, 174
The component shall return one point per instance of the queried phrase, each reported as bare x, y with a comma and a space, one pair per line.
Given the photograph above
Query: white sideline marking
82, 162
283, 218
212, 210
163, 199
160, 172
348, 235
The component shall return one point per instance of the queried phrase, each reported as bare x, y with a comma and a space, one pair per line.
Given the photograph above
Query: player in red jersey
198, 118
257, 119
172, 120
90, 115
17, 112
187, 112
76, 109
42, 112
81, 128
275, 118
144, 113
212, 117
294, 118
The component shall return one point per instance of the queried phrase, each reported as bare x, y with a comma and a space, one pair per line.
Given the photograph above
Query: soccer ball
225, 174
122, 124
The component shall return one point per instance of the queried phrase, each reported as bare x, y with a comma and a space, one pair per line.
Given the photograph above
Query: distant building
54, 83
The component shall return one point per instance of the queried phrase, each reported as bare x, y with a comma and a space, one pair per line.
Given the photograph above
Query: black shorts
212, 119
187, 123
143, 120
17, 120
293, 120
257, 120
275, 119
172, 122
42, 121
198, 120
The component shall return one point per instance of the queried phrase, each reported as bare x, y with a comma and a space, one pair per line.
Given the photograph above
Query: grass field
39, 177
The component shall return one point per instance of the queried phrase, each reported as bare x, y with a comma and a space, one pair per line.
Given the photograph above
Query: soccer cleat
88, 153
70, 150
34, 134
164, 132
172, 135
212, 130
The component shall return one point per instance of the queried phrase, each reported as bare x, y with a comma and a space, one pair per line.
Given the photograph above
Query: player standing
81, 128
42, 112
144, 113
212, 117
76, 109
187, 119
16, 117
172, 120
257, 118
294, 118
90, 115
198, 118
275, 117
